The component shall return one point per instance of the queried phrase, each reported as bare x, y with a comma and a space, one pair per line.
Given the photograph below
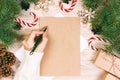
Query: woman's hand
29, 42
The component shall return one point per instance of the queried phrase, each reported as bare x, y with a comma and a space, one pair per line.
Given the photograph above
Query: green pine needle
106, 22
9, 10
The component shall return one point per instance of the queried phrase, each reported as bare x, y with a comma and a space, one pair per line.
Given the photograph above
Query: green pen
38, 41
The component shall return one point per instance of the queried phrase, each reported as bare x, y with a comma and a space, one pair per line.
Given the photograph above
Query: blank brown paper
62, 53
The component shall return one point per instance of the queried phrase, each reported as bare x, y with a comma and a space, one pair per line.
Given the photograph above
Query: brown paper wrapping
108, 76
109, 63
62, 53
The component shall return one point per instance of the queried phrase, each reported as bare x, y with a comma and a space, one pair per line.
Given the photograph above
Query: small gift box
109, 63
108, 76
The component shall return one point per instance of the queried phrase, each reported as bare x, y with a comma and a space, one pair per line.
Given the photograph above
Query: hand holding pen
29, 43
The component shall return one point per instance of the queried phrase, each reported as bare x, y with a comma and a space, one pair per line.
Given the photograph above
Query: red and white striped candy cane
96, 37
34, 23
68, 9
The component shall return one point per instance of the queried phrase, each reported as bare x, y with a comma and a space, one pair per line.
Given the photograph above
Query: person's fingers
42, 44
25, 44
29, 42
33, 35
45, 40
45, 35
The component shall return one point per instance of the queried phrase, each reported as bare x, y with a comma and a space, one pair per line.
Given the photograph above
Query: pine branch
9, 9
107, 22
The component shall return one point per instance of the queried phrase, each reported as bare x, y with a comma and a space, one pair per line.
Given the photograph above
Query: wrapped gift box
108, 76
109, 63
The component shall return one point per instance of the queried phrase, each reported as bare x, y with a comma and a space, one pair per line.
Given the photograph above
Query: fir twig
107, 22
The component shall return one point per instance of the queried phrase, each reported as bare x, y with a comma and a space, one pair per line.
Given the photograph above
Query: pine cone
5, 71
9, 58
1, 61
2, 50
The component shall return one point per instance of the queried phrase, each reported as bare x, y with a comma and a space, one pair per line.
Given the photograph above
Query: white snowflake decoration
86, 15
89, 13
44, 5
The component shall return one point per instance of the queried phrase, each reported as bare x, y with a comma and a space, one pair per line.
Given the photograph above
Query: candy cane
98, 38
68, 9
34, 23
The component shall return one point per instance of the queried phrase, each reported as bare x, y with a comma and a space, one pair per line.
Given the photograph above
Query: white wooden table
88, 70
